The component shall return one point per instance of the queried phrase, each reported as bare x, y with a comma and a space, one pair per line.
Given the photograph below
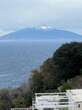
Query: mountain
42, 34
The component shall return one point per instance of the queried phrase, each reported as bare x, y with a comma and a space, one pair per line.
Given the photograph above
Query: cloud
61, 14
2, 32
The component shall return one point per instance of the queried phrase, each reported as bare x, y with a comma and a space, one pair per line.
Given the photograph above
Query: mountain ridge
42, 34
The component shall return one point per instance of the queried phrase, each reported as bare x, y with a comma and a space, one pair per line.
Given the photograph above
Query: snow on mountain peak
44, 27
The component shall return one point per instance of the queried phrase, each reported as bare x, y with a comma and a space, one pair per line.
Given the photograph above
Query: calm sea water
18, 59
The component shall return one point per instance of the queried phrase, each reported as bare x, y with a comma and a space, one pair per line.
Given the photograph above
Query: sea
19, 58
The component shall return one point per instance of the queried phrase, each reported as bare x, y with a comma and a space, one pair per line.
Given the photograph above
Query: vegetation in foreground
58, 73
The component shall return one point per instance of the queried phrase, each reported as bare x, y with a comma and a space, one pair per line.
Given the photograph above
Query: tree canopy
65, 64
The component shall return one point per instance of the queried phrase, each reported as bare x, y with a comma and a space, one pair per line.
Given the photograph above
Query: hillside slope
74, 83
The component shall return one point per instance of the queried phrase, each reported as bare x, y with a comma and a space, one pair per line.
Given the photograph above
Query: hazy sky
60, 14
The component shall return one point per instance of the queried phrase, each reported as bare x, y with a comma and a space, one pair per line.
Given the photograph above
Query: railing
21, 109
53, 100
58, 93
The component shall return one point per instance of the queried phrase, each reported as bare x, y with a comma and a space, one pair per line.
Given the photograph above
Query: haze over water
18, 59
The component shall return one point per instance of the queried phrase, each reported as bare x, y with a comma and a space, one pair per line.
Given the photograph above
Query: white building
75, 96
69, 100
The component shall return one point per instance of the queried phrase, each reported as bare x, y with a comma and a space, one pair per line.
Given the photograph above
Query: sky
59, 14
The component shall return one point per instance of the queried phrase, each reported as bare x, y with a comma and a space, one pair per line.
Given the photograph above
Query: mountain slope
42, 34
74, 83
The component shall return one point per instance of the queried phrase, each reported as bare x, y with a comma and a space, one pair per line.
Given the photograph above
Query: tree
65, 64
68, 58
5, 100
19, 102
48, 70
28, 99
65, 87
36, 81
3, 105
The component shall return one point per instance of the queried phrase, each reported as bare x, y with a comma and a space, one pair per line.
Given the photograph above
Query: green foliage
81, 71
19, 102
3, 105
68, 58
28, 99
65, 64
65, 87
5, 100
36, 81
48, 70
